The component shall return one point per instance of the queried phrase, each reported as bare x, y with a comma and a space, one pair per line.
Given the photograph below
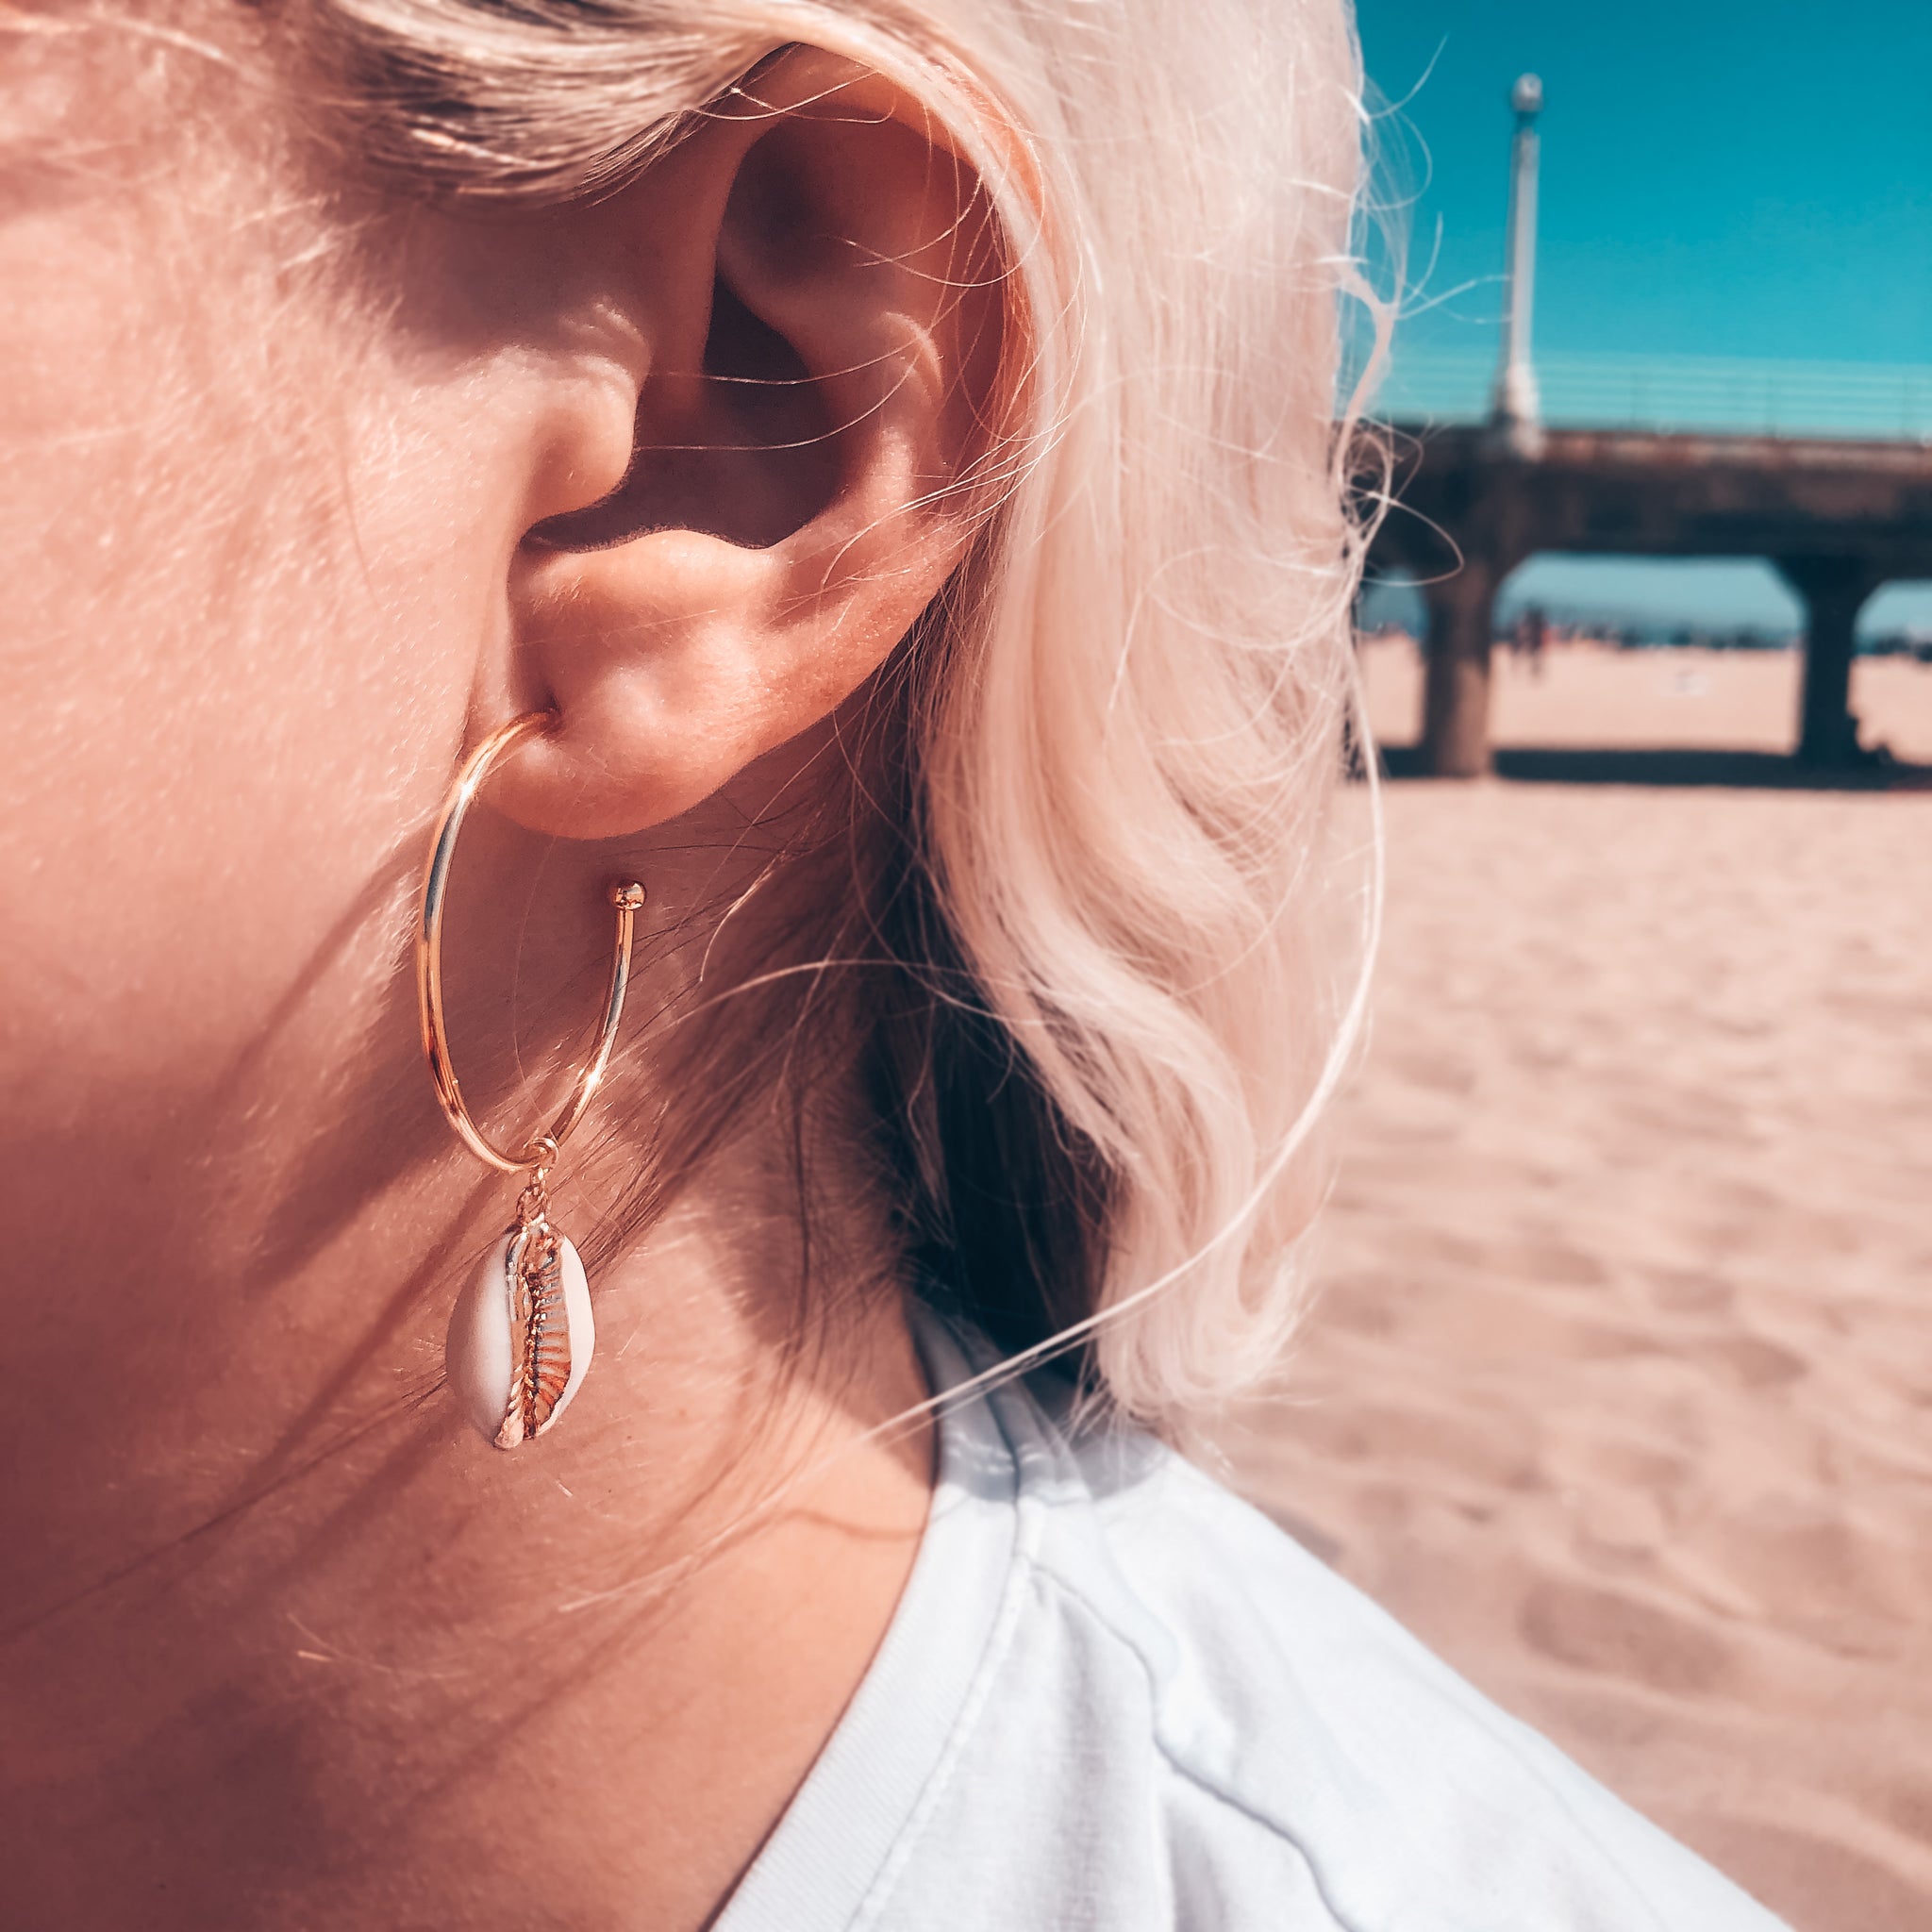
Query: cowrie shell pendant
521, 1335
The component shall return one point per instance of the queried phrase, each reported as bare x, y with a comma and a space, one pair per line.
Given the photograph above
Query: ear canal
745, 449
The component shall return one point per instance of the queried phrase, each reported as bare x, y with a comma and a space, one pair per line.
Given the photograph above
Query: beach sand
1619, 1389
1589, 696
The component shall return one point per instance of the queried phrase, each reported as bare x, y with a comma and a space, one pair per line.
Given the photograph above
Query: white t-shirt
1115, 1697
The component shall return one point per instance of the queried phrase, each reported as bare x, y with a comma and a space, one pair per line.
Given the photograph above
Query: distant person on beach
674, 675
1530, 637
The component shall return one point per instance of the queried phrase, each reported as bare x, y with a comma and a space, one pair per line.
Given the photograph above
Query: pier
1838, 515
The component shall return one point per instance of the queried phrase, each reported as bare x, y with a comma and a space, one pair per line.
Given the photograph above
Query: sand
1620, 1389
1716, 700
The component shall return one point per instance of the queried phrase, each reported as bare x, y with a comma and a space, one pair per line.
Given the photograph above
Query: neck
303, 1650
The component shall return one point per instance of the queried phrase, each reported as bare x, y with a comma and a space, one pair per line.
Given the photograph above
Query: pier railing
1888, 402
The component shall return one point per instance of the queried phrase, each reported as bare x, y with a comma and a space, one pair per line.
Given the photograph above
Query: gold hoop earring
520, 1334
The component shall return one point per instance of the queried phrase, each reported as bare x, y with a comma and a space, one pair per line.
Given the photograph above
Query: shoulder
1288, 1722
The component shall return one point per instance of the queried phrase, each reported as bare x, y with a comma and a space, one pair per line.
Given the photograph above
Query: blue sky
1719, 180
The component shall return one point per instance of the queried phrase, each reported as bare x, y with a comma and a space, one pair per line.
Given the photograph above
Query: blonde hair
1124, 720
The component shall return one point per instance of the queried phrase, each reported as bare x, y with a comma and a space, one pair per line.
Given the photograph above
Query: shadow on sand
1749, 770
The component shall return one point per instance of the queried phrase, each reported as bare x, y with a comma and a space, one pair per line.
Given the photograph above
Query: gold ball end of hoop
627, 895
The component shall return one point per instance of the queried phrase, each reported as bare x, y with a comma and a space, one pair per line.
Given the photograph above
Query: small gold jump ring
625, 897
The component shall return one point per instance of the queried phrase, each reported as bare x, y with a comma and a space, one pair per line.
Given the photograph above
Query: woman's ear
811, 292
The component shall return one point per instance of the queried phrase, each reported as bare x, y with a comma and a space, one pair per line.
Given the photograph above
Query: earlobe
818, 286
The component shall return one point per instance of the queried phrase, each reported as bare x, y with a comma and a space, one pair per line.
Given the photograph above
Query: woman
885, 449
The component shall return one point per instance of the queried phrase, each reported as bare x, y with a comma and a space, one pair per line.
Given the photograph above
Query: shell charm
520, 1334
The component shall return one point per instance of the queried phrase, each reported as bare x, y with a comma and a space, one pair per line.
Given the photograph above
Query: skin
283, 1642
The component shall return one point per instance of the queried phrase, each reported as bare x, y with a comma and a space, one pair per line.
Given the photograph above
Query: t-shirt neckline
829, 1861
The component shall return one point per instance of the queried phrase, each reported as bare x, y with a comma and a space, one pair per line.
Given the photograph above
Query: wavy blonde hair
1121, 1003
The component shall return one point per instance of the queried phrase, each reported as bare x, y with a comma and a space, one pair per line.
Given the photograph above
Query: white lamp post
1516, 412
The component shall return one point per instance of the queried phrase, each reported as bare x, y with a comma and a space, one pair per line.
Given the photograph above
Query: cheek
240, 636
